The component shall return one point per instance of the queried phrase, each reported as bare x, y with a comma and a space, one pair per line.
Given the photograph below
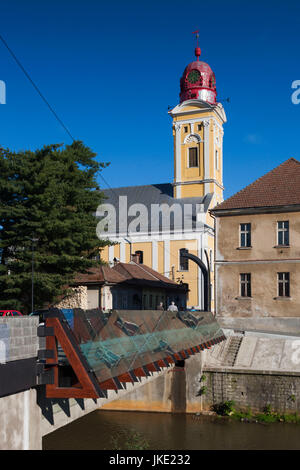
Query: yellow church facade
159, 222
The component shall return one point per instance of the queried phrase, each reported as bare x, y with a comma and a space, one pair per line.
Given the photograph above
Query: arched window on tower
217, 159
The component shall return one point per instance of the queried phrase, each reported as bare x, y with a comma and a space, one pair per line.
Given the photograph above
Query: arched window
217, 159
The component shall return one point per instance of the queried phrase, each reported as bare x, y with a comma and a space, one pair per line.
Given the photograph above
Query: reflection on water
164, 431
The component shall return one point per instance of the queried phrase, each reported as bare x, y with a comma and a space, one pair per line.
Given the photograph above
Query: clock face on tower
194, 76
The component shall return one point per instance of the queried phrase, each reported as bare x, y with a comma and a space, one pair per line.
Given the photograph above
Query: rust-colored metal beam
139, 372
109, 384
126, 377
87, 388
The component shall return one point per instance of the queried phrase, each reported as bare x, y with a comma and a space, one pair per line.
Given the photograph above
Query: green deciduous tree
49, 195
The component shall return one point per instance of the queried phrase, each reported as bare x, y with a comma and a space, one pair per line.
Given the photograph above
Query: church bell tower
198, 134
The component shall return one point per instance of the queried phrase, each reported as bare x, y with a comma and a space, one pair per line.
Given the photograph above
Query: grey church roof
156, 194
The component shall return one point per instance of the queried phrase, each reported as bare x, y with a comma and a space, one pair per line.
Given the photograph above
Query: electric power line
45, 100
36, 87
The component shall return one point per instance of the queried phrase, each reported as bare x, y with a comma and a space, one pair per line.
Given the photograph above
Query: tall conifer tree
48, 200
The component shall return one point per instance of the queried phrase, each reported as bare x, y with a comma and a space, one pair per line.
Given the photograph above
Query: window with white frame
283, 233
245, 285
283, 284
245, 235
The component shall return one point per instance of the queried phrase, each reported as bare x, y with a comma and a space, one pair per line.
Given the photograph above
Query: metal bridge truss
88, 352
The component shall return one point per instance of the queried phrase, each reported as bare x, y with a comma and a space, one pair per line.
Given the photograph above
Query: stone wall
77, 299
253, 390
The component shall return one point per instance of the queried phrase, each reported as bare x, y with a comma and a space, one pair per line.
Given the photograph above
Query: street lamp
34, 240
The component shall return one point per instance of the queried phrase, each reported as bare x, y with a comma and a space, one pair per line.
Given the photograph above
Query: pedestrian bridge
90, 351
77, 361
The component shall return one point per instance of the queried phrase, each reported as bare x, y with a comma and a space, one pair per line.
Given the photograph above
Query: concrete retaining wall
177, 391
20, 422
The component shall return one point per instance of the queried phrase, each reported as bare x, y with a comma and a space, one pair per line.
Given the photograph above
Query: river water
164, 431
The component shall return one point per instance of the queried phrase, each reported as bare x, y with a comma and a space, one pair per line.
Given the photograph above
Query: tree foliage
50, 196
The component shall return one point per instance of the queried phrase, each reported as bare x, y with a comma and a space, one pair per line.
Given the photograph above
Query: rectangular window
245, 235
193, 157
245, 284
283, 233
283, 284
185, 129
183, 262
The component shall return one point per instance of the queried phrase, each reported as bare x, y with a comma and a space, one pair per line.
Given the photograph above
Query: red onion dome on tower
198, 82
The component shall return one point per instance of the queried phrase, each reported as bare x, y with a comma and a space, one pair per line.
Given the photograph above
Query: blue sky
111, 69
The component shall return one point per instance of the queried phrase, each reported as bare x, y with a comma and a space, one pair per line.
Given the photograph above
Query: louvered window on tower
193, 157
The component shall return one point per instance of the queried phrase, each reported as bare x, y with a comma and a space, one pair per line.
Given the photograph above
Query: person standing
172, 307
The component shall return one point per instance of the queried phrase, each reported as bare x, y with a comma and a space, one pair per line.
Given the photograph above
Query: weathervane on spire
197, 50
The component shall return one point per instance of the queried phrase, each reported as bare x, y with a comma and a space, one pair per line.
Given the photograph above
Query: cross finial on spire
197, 50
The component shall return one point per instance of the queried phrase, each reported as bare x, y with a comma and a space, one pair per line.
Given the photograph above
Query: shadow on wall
47, 405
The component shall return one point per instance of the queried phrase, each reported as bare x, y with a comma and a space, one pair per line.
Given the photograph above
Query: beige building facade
257, 253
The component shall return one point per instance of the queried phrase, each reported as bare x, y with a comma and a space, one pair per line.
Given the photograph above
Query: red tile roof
142, 272
100, 274
122, 272
279, 187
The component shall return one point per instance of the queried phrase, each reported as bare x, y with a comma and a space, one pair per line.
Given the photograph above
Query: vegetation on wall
227, 408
